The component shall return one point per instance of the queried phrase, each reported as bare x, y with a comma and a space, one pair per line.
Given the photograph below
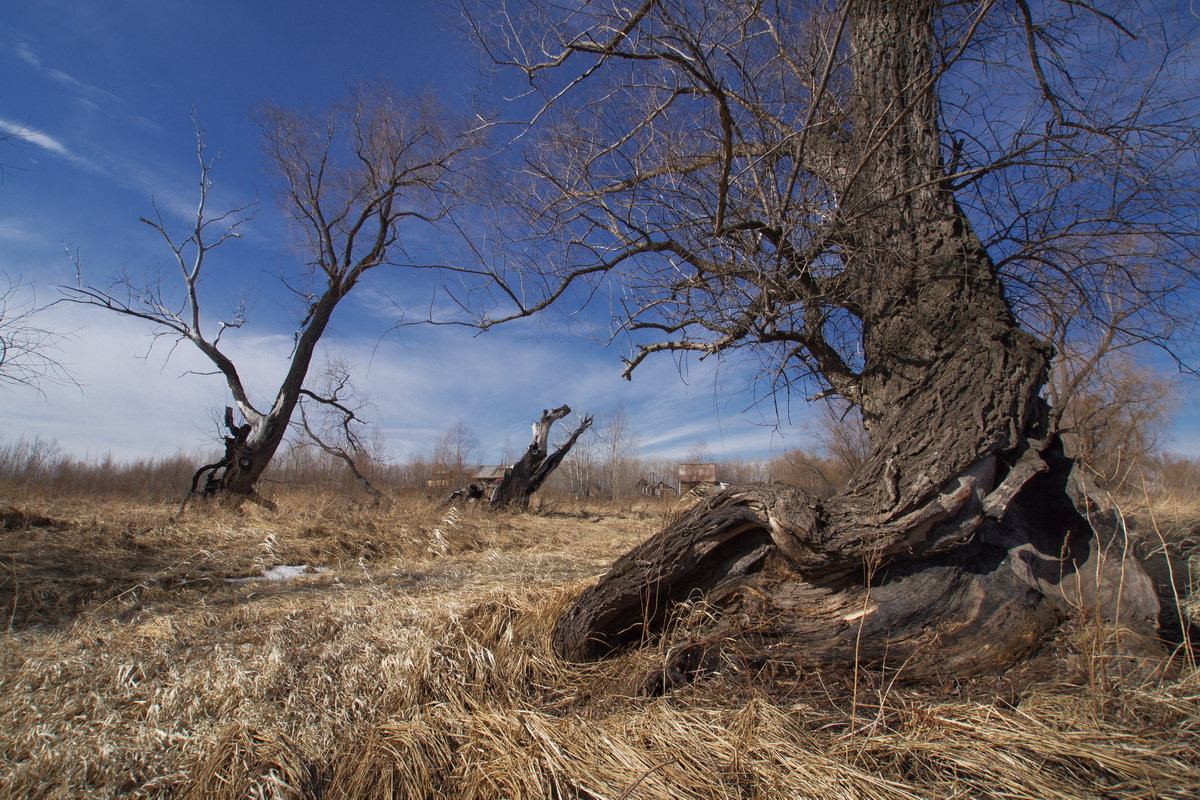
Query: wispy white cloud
90, 95
34, 136
15, 231
420, 385
46, 142
27, 54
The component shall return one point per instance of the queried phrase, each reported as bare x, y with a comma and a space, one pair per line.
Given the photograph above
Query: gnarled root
969, 581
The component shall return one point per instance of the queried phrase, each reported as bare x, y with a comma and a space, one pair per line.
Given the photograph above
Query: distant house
489, 477
440, 479
652, 487
485, 478
698, 476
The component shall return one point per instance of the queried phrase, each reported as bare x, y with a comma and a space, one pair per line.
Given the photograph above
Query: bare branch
338, 379
27, 346
713, 166
150, 303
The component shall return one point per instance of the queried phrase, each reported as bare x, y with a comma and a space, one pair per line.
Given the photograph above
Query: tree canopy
717, 160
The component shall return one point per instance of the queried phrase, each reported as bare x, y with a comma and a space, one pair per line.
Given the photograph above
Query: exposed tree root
983, 578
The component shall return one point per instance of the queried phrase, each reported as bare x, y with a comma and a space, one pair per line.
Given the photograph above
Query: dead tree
338, 438
527, 475
26, 347
352, 181
787, 178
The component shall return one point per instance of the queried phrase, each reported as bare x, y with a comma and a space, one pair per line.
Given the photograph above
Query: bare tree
844, 447
1110, 408
618, 446
27, 346
843, 437
335, 426
351, 181
817, 475
455, 454
1115, 418
877, 196
699, 453
581, 469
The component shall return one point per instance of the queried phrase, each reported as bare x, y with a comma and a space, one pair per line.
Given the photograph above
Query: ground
417, 664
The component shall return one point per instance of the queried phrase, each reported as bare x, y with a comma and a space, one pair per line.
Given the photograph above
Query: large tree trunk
248, 452
250, 447
242, 475
527, 475
966, 534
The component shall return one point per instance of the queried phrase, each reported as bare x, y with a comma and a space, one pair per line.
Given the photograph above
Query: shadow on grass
52, 570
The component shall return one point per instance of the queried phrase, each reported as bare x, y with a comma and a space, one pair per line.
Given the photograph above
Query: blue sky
99, 97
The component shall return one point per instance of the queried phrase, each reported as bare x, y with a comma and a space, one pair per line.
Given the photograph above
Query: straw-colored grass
418, 665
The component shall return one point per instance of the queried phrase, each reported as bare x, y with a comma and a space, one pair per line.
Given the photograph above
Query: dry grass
418, 665
1168, 527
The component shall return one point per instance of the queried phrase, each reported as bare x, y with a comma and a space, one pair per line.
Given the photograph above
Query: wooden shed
692, 476
489, 477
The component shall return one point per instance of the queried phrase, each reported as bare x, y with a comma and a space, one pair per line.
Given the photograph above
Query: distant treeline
39, 466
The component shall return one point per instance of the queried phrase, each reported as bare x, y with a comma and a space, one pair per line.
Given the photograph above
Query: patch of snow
283, 572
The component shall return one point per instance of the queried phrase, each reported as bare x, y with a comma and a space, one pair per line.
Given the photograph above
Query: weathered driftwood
471, 493
525, 477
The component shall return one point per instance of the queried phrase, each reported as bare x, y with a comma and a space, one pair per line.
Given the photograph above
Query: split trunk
527, 475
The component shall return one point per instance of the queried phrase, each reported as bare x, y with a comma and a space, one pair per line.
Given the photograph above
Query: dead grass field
416, 664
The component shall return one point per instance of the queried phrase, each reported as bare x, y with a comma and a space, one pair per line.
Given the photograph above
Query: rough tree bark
239, 456
967, 534
762, 556
527, 475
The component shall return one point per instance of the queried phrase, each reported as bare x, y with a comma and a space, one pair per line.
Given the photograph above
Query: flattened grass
418, 665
